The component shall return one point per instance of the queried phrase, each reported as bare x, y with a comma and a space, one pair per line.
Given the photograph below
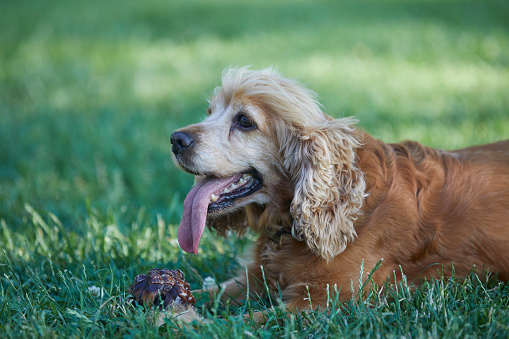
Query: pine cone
161, 288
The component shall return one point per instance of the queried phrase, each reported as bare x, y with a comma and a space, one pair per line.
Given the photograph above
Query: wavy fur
329, 188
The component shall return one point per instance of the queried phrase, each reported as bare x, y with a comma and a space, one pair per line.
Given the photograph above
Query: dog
325, 197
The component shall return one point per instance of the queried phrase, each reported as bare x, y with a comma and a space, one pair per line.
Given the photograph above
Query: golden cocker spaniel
325, 197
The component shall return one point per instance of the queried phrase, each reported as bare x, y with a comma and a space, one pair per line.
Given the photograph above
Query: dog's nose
180, 141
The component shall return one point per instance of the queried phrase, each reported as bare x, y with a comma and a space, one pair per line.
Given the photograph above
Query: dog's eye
244, 122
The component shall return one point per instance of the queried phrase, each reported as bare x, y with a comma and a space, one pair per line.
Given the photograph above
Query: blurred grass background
91, 91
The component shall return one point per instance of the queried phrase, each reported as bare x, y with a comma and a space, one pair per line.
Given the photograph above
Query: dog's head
266, 146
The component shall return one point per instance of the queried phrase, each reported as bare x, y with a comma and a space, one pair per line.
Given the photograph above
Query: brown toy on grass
166, 290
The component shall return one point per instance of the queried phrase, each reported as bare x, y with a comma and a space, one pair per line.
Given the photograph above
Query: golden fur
334, 197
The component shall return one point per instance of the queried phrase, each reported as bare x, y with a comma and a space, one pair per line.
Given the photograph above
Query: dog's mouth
247, 184
213, 196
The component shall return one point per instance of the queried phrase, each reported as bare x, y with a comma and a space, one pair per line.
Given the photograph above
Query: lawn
90, 92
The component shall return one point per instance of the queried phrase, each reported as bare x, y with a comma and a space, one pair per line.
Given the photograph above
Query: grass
91, 91
49, 271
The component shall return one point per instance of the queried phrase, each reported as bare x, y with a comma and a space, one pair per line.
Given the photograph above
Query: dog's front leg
251, 281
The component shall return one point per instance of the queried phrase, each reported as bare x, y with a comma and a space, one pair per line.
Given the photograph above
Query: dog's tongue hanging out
195, 211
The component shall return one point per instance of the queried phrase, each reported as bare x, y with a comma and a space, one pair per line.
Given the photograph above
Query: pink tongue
196, 204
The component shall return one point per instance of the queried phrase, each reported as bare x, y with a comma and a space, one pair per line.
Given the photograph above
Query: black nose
180, 141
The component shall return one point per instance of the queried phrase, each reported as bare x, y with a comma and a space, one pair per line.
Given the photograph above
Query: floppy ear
328, 188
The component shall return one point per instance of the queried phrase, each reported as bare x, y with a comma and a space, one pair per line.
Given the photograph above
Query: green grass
90, 92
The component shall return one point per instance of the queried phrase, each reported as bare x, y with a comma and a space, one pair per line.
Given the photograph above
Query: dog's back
473, 208
437, 209
481, 184
495, 153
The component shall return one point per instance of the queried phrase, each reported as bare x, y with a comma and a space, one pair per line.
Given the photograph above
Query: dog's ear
328, 187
